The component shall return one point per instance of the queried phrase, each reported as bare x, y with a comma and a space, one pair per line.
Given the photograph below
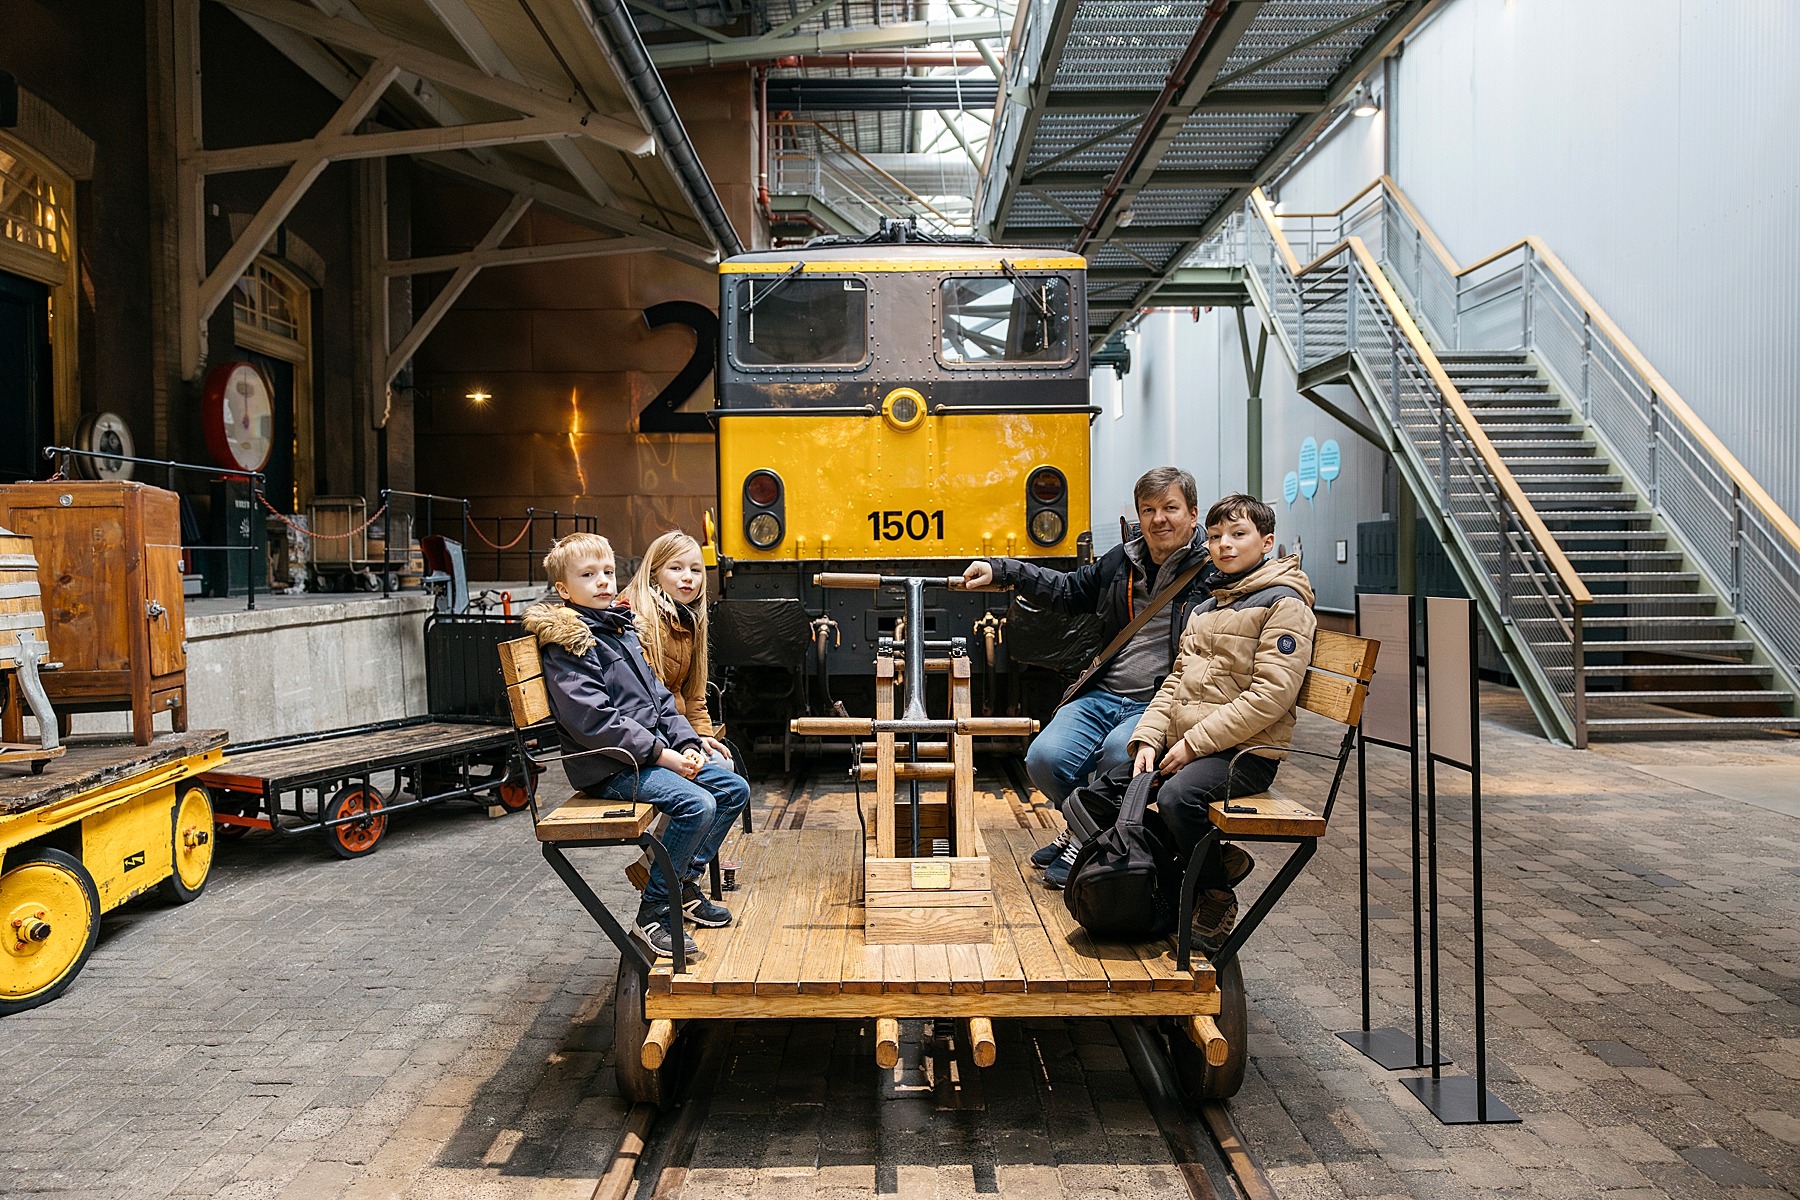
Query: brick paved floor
433, 1020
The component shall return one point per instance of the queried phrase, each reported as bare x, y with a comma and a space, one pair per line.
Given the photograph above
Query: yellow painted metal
193, 848
126, 848
41, 894
837, 470
828, 266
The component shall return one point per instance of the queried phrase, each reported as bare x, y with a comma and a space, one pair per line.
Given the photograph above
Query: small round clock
237, 412
105, 434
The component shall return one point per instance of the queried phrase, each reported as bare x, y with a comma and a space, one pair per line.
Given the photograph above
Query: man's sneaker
700, 909
652, 929
1215, 914
1043, 856
1238, 865
1057, 873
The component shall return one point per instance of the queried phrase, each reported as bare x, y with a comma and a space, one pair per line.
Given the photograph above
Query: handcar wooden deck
797, 949
334, 783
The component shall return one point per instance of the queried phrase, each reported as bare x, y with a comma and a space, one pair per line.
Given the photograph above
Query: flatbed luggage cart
106, 822
346, 784
923, 913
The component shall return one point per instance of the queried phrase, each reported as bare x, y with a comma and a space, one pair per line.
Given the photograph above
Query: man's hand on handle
978, 574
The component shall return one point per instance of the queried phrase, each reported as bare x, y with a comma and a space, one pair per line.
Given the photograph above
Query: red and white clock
237, 412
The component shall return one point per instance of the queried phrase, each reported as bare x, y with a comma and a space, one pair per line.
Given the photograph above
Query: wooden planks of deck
797, 948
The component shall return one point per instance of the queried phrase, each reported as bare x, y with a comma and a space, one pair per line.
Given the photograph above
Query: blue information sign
1331, 461
1290, 488
1309, 468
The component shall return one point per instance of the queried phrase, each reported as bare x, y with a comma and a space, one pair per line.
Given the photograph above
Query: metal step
1688, 725
1580, 503
1722, 696
1545, 413
1609, 535
1593, 577
1628, 600
1540, 465
1572, 446
1701, 650
1734, 670
1671, 624
1530, 480
1502, 383
1466, 356
1457, 368
1512, 397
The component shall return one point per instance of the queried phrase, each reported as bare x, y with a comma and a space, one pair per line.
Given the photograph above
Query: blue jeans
701, 811
1090, 733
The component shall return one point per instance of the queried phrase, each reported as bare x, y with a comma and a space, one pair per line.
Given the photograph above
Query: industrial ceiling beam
911, 93
464, 275
604, 128
1036, 80
510, 256
1197, 177
824, 41
1138, 100
345, 147
1402, 21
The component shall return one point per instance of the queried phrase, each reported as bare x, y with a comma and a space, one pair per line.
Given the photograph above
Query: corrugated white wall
1652, 144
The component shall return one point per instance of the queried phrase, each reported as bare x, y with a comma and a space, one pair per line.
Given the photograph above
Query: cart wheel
636, 1084
191, 846
49, 921
1200, 1081
355, 838
37, 768
512, 796
231, 833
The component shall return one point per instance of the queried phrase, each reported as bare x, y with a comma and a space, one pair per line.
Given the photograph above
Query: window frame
748, 280
940, 318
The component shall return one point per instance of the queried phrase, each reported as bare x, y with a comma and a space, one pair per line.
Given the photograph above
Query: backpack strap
1137, 798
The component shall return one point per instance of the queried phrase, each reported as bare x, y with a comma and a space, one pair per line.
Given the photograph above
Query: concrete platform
433, 1021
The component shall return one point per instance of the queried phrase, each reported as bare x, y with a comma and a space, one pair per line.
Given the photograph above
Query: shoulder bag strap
1156, 605
1137, 798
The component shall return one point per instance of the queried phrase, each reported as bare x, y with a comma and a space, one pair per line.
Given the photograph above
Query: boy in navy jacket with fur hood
623, 735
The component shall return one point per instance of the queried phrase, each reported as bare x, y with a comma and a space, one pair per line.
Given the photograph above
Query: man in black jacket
1092, 729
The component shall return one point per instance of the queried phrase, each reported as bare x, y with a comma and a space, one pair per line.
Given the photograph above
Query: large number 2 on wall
661, 415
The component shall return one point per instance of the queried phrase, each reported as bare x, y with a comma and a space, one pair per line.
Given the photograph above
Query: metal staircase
1598, 567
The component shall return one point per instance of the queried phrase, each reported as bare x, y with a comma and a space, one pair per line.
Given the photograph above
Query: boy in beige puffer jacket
1233, 685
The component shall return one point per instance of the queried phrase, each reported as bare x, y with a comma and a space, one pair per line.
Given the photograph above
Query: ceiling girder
1139, 100
830, 41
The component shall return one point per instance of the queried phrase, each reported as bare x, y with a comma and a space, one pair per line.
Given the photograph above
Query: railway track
656, 1151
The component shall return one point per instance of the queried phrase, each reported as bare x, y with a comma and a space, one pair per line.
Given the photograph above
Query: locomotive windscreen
801, 321
1019, 319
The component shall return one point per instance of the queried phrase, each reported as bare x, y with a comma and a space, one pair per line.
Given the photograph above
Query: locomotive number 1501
893, 525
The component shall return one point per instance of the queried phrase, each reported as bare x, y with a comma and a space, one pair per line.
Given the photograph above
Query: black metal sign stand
1392, 621
1453, 738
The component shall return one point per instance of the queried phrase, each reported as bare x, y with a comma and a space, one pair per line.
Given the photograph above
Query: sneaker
1043, 856
652, 929
1215, 914
1238, 865
1056, 875
700, 909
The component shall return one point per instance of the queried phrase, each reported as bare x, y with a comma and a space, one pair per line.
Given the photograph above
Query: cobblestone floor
434, 1020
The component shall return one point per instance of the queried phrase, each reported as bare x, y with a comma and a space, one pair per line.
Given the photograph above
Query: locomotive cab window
995, 321
800, 321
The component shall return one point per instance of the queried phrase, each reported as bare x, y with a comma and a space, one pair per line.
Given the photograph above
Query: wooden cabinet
109, 562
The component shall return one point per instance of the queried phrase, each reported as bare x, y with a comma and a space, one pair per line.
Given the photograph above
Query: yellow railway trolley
896, 406
103, 824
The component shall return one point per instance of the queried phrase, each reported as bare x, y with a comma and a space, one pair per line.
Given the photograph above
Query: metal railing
1337, 304
1524, 298
514, 547
808, 158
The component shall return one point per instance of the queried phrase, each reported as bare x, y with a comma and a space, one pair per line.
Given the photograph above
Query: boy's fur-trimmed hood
567, 626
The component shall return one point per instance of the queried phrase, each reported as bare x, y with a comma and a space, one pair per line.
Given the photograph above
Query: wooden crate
109, 562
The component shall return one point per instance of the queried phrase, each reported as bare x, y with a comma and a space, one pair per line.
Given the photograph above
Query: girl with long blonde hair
667, 595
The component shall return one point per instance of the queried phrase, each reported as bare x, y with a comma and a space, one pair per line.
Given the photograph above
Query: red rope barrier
303, 531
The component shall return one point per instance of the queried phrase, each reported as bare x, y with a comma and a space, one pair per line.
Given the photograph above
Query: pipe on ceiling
646, 87
871, 59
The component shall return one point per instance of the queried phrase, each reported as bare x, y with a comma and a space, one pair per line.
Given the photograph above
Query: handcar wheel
636, 1084
358, 836
512, 795
1200, 1081
49, 921
191, 845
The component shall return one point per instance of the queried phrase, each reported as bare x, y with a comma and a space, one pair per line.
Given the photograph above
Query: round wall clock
105, 434
237, 412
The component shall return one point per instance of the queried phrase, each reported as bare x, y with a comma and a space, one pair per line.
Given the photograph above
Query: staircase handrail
1421, 347
1659, 387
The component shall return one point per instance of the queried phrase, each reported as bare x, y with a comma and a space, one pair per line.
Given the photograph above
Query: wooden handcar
879, 924
108, 821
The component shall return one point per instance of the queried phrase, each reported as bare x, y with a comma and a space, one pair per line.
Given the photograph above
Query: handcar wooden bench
810, 936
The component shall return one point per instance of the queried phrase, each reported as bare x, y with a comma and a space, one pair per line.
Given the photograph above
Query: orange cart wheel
512, 796
191, 845
358, 835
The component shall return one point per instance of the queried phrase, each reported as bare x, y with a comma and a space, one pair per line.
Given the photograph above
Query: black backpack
1125, 885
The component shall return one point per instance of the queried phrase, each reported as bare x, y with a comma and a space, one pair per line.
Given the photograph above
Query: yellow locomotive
892, 405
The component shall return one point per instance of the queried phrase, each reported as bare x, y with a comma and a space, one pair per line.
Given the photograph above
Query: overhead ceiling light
1127, 217
478, 396
1365, 104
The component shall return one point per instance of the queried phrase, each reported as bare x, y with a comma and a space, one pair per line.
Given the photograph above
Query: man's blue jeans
1090, 733
701, 811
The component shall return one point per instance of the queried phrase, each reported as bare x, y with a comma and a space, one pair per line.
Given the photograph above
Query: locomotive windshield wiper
773, 287
1019, 282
